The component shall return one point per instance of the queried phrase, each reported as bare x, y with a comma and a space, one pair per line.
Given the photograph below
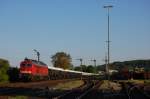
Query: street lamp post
108, 41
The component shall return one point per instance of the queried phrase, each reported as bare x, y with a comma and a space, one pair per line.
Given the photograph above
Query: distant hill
129, 64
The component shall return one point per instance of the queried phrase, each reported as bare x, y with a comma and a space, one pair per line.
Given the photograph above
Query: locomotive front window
29, 65
23, 64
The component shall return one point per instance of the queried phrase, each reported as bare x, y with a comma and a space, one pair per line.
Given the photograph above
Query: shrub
4, 65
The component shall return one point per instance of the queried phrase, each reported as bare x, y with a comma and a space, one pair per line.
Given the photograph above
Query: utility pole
108, 40
38, 54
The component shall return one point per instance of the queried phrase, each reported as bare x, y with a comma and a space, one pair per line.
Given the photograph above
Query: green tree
13, 74
90, 69
61, 60
78, 68
83, 68
4, 66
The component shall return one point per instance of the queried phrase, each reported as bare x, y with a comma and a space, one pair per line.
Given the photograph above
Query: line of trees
63, 60
84, 68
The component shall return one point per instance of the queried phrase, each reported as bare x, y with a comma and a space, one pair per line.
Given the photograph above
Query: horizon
93, 64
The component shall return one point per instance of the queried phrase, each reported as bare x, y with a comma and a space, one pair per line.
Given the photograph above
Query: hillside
127, 64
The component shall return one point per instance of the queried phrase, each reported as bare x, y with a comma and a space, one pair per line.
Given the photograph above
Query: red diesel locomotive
33, 70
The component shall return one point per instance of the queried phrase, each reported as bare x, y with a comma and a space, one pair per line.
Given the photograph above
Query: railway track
101, 94
135, 91
35, 89
87, 91
42, 93
21, 91
79, 93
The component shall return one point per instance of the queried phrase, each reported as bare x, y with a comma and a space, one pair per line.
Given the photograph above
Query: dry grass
110, 86
147, 82
17, 97
137, 81
69, 85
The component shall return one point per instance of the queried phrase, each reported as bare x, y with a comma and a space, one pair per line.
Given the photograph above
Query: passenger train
32, 70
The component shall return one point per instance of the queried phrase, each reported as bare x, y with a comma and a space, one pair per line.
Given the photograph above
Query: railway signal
37, 53
81, 60
94, 60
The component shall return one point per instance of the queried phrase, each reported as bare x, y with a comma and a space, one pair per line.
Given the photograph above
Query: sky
77, 27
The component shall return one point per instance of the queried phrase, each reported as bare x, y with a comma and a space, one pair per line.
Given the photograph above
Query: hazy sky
78, 27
